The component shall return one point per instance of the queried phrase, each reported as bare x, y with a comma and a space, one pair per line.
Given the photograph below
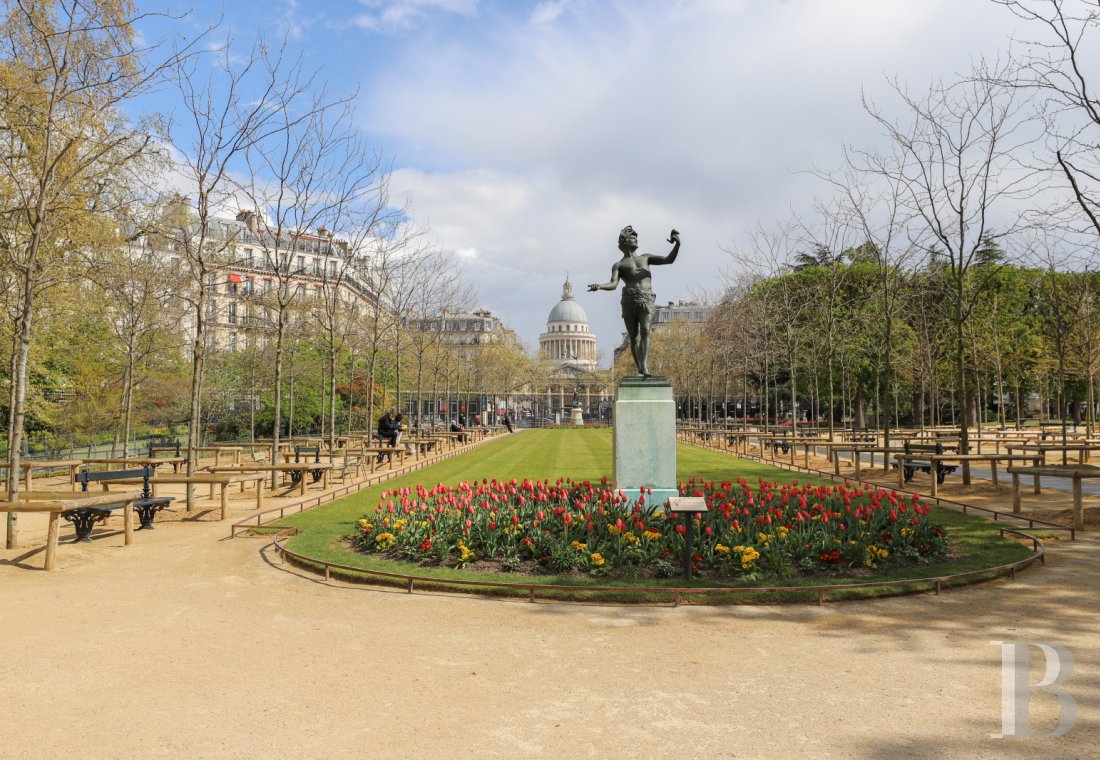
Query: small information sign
687, 504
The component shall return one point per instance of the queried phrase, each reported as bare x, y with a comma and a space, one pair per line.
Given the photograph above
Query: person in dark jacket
387, 431
457, 428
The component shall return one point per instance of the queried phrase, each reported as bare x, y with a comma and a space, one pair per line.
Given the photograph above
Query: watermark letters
1016, 691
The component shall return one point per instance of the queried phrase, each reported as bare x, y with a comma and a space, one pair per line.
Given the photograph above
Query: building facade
469, 332
250, 262
569, 348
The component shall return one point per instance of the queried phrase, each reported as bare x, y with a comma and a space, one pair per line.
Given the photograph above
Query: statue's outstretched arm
673, 238
614, 283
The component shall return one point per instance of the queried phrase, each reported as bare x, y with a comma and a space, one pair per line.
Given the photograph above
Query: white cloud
399, 15
548, 12
539, 139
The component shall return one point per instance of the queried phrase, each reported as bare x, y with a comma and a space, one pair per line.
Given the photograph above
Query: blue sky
528, 133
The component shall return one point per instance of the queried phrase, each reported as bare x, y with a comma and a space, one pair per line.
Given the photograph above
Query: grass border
650, 594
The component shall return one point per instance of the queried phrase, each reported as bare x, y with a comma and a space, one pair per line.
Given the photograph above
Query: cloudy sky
528, 133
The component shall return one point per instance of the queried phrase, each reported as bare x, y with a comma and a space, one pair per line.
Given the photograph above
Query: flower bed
773, 531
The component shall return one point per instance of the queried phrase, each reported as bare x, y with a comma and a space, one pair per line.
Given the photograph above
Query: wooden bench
146, 507
909, 461
58, 504
1075, 474
224, 481
72, 465
292, 470
153, 462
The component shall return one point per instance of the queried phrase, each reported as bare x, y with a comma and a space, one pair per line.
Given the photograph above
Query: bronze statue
638, 300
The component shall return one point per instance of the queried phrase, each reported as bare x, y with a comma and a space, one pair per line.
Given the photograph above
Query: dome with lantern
568, 342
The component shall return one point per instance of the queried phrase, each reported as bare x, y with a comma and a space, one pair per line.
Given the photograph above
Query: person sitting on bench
388, 431
456, 428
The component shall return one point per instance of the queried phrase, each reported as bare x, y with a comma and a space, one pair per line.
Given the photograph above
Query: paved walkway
980, 471
188, 644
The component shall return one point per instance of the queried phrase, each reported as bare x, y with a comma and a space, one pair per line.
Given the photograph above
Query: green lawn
586, 454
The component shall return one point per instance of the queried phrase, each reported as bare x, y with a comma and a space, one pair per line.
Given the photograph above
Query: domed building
570, 347
568, 342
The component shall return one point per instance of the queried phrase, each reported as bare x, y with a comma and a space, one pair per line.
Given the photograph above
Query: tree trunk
332, 396
197, 360
17, 411
276, 429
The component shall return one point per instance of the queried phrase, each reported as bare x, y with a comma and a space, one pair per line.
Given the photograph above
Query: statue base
643, 429
576, 416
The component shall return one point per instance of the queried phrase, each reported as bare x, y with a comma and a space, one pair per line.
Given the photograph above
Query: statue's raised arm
674, 238
638, 300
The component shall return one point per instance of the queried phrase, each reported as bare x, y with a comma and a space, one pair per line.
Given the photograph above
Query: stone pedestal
644, 438
576, 416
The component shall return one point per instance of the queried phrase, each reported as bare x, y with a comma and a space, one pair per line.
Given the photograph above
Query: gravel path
191, 645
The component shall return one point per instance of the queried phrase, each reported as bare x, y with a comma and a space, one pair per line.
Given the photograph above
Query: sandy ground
188, 644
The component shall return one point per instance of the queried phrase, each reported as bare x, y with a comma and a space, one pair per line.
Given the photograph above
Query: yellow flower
385, 540
748, 556
630, 538
652, 535
614, 530
782, 531
578, 545
465, 552
597, 559
721, 549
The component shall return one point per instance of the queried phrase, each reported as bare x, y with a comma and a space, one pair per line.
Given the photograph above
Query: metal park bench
299, 451
85, 518
911, 461
164, 444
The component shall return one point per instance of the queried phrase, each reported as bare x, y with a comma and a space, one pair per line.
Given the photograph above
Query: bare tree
363, 210
1058, 65
224, 116
957, 149
425, 298
312, 172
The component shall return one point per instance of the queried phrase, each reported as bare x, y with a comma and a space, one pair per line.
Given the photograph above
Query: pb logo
1016, 691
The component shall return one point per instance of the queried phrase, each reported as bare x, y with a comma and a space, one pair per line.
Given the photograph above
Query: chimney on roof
248, 217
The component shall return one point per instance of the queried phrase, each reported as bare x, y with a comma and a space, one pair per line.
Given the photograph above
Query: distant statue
576, 398
638, 300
